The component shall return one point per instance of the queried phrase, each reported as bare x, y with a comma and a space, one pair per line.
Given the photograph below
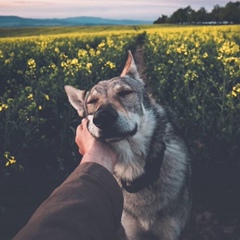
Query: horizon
59, 18
120, 9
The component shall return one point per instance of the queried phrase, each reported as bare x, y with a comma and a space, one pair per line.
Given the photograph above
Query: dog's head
114, 107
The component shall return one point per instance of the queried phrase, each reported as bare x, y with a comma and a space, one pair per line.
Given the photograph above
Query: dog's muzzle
107, 121
105, 117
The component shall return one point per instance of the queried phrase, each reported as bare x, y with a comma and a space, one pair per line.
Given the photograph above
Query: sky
114, 9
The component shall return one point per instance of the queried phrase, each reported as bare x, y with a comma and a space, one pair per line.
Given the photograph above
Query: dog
153, 165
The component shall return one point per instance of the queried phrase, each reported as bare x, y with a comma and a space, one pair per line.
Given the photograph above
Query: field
195, 70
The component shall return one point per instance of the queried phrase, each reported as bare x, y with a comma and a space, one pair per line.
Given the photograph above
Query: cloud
118, 9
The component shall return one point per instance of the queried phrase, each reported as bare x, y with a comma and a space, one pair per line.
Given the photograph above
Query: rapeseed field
193, 69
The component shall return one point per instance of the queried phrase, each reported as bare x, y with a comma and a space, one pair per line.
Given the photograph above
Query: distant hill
14, 21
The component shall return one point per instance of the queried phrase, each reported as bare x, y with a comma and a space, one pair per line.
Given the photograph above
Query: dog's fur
153, 167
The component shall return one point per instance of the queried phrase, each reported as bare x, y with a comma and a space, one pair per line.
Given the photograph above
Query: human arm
94, 150
88, 205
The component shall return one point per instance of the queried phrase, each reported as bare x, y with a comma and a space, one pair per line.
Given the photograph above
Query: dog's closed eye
92, 101
125, 92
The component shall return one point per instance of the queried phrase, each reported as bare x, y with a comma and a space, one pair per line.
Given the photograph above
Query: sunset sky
118, 9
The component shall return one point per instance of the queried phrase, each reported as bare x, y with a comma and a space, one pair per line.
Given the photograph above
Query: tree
181, 15
201, 15
192, 16
161, 20
230, 13
217, 14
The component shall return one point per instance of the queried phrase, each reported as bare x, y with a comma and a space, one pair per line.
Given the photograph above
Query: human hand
84, 139
92, 149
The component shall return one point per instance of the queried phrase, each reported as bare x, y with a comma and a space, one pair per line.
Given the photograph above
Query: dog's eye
92, 101
125, 92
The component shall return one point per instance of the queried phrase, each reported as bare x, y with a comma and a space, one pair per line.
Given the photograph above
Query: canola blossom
195, 70
33, 72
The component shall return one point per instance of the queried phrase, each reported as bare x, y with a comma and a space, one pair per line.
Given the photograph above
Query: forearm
88, 205
105, 158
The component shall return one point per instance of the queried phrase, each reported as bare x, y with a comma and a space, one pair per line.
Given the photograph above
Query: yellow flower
63, 64
234, 94
10, 162
237, 88
57, 50
110, 64
63, 56
235, 91
92, 52
74, 61
102, 44
98, 52
1, 54
46, 97
205, 55
52, 65
11, 159
89, 65
3, 106
7, 61
82, 53
40, 107
30, 96
6, 154
197, 44
31, 63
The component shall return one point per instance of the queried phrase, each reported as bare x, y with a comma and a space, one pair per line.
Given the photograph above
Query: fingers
82, 126
82, 136
84, 122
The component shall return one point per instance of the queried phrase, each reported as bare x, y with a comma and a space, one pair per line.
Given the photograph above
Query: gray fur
140, 131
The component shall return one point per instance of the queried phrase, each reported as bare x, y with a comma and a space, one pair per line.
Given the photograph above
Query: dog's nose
105, 117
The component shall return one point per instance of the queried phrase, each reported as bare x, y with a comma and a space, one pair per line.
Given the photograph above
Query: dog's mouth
120, 136
111, 135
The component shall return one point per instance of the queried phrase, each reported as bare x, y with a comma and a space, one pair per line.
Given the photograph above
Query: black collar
150, 175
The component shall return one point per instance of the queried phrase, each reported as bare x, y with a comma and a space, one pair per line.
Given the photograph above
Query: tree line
230, 14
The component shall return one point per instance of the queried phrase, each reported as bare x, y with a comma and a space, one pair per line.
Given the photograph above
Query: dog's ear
76, 98
130, 68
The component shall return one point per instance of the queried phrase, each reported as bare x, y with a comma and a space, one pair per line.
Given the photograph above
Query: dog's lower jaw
122, 136
111, 135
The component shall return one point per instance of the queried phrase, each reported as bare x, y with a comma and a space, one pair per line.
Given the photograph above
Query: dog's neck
151, 174
132, 152
130, 159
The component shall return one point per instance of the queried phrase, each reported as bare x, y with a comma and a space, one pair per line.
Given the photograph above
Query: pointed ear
76, 98
130, 68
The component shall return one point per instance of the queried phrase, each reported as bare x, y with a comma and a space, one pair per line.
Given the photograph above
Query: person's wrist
102, 155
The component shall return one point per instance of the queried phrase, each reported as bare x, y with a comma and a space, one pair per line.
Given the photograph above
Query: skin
94, 150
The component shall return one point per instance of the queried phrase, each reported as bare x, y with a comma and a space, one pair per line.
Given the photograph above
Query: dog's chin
114, 136
113, 140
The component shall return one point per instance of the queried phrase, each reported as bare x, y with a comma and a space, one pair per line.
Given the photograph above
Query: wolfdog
153, 166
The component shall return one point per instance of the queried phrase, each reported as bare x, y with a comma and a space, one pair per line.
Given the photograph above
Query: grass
38, 31
43, 31
95, 30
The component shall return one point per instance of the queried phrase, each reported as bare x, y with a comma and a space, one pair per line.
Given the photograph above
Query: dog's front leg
121, 235
129, 229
